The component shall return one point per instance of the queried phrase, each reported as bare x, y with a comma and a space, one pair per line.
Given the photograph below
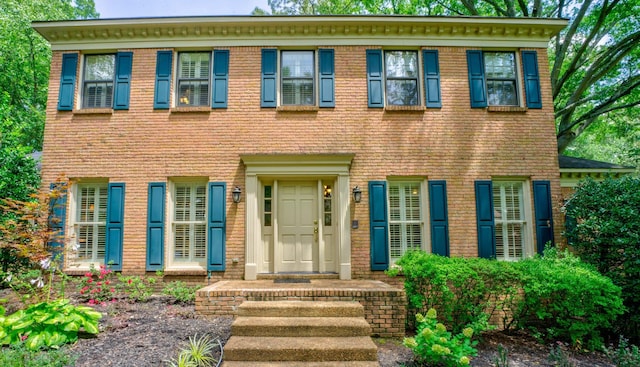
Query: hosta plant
47, 324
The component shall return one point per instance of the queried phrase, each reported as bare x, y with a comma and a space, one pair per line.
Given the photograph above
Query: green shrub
180, 291
565, 299
200, 352
555, 296
97, 285
19, 356
434, 344
603, 227
47, 324
461, 290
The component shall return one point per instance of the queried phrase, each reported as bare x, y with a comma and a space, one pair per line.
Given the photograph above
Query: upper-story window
298, 77
394, 78
193, 78
98, 80
401, 72
501, 78
495, 77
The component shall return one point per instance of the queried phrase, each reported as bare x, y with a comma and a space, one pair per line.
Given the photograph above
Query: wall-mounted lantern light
235, 194
357, 194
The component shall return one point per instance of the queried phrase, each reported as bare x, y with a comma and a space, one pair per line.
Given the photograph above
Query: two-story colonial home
233, 147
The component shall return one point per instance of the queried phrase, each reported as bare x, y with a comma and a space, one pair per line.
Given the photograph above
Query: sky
167, 8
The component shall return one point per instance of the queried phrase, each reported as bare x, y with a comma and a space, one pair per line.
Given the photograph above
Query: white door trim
314, 167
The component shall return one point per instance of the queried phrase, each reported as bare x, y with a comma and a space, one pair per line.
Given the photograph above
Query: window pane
97, 94
297, 91
297, 64
502, 92
402, 92
193, 93
509, 219
99, 67
189, 222
500, 65
405, 218
401, 64
91, 209
194, 65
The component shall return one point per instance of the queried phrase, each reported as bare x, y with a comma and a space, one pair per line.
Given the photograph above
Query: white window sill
94, 111
517, 109
295, 108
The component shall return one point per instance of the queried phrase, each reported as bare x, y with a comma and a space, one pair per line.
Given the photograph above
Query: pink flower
89, 280
24, 337
88, 275
113, 290
129, 281
99, 283
107, 282
92, 302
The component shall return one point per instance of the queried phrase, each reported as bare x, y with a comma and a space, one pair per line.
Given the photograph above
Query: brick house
230, 147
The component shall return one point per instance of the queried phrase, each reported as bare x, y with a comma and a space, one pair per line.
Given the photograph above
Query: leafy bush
180, 291
47, 324
136, 288
434, 344
555, 296
603, 227
566, 299
461, 290
19, 356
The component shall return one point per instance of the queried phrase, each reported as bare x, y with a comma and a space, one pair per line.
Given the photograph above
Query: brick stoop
294, 333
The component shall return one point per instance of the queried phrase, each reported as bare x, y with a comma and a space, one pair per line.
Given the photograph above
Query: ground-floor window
406, 221
90, 222
510, 219
188, 223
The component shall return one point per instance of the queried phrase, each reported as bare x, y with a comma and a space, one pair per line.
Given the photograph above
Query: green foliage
198, 353
97, 285
136, 288
434, 344
181, 291
624, 355
25, 58
19, 177
502, 359
19, 356
462, 290
603, 227
555, 296
565, 299
47, 324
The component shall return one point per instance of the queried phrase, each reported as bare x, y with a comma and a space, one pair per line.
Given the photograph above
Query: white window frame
314, 78
178, 97
423, 201
83, 91
518, 86
72, 260
501, 217
192, 264
419, 78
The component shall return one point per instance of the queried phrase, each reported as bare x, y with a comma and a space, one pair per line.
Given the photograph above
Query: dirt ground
151, 333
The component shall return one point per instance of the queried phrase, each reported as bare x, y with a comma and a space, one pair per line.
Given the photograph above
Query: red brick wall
455, 143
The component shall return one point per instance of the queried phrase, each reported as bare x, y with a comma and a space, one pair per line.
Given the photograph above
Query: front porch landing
384, 305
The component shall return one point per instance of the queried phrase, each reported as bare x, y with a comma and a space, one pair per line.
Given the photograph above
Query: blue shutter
531, 79
220, 78
57, 217
378, 225
475, 63
327, 77
123, 80
484, 216
216, 226
115, 225
375, 78
269, 75
432, 78
544, 213
67, 82
155, 225
439, 217
164, 64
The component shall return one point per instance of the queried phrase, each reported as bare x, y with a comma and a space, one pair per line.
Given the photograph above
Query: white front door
297, 244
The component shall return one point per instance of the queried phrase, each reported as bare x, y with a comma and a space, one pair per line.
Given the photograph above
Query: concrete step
301, 363
300, 326
300, 309
313, 349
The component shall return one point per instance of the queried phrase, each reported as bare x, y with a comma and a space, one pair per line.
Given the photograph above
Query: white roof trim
299, 31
